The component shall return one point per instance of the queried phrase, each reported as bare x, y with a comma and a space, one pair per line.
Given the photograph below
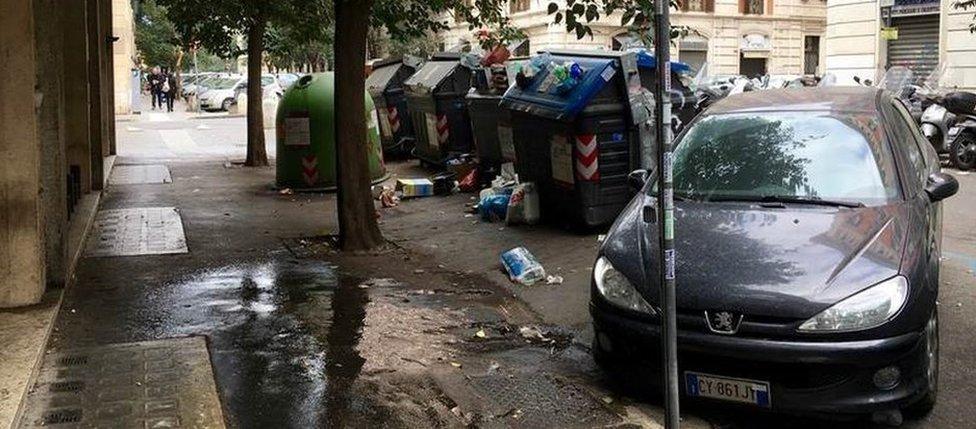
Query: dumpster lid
540, 96
432, 74
382, 75
647, 60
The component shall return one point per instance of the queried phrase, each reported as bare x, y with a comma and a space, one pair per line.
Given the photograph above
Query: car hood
789, 262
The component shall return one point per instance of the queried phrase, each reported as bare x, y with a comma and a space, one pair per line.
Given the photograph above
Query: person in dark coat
155, 81
169, 87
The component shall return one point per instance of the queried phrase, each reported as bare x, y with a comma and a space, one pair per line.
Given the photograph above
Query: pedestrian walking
156, 87
169, 88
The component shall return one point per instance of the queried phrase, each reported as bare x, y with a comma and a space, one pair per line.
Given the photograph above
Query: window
811, 54
516, 6
755, 7
459, 17
698, 5
806, 155
920, 152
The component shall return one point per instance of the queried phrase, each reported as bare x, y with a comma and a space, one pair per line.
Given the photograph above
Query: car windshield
223, 83
786, 156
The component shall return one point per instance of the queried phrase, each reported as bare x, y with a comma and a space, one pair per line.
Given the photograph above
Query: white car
221, 93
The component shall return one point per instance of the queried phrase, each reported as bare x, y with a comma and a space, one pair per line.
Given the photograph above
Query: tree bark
358, 229
257, 155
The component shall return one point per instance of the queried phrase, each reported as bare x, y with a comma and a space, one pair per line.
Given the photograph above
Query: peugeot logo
723, 322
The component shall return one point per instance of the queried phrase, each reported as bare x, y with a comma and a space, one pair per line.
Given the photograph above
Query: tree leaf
553, 8
559, 17
580, 30
628, 16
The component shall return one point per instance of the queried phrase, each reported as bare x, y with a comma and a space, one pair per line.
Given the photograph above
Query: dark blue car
808, 233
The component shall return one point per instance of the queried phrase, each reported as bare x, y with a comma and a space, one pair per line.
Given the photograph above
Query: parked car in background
286, 80
219, 93
808, 239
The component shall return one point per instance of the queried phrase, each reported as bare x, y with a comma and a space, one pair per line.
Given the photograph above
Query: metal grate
67, 386
60, 417
73, 361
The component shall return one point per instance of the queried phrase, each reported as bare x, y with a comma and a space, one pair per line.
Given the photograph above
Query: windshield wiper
787, 199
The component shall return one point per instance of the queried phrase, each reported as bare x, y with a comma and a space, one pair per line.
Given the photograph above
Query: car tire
226, 105
962, 152
926, 403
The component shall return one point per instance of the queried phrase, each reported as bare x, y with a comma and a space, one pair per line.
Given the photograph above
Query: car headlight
617, 289
867, 309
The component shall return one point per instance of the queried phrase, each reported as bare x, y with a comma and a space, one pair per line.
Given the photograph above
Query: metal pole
665, 213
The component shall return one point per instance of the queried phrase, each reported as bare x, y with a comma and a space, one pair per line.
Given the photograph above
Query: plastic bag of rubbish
523, 206
522, 267
494, 207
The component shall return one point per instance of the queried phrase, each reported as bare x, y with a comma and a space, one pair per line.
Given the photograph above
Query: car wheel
963, 152
924, 405
226, 105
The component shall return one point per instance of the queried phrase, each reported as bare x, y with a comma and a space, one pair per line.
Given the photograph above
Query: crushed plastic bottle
522, 267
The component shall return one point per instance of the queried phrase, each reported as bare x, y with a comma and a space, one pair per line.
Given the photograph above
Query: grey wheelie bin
579, 139
492, 123
435, 98
385, 85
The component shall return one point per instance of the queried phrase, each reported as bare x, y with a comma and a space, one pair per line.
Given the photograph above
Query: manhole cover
165, 383
138, 231
139, 174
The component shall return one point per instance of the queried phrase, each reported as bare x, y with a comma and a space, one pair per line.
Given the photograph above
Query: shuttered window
698, 5
756, 7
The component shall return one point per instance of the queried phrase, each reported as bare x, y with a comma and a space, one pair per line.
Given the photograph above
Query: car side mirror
637, 179
940, 186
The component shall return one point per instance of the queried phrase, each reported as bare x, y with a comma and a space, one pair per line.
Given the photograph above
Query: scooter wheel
962, 153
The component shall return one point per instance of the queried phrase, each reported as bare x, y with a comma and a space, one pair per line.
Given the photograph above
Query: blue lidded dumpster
580, 124
435, 98
385, 85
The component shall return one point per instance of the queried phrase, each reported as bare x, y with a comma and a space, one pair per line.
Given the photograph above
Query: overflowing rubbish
532, 333
481, 334
522, 266
494, 207
415, 187
444, 183
523, 205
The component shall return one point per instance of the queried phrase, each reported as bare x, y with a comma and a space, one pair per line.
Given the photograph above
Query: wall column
47, 26
21, 216
77, 132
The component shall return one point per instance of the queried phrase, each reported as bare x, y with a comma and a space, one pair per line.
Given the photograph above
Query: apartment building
733, 36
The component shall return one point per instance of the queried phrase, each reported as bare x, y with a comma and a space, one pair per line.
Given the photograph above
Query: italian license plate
727, 389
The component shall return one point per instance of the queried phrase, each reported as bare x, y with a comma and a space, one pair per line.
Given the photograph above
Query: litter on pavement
522, 266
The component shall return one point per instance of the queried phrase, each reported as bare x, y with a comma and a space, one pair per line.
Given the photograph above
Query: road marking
178, 140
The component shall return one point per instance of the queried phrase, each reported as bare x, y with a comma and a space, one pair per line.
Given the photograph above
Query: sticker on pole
669, 264
298, 131
561, 159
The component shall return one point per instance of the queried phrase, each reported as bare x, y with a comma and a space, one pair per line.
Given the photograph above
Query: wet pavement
427, 332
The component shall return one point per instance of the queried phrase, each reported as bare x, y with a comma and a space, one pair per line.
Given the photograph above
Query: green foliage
414, 19
636, 15
156, 38
966, 5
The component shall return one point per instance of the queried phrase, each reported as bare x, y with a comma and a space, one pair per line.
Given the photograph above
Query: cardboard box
415, 187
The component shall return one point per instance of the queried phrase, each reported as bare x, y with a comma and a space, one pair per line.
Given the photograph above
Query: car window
903, 137
792, 155
266, 80
929, 154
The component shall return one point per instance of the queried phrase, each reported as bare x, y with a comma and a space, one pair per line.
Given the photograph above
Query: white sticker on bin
297, 132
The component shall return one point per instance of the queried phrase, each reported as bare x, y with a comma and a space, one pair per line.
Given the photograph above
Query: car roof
832, 99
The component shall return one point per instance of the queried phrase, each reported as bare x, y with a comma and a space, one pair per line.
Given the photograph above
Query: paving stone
184, 395
139, 174
137, 231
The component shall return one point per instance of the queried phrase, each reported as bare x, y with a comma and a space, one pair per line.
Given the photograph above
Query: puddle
284, 338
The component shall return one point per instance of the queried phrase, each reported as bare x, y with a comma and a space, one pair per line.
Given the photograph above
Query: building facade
864, 37
125, 61
733, 36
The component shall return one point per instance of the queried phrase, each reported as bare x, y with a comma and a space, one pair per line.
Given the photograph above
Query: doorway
752, 67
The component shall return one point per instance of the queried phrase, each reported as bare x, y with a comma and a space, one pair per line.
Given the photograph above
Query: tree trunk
358, 229
257, 155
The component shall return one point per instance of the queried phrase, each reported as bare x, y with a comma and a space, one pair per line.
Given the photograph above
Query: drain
73, 361
60, 417
67, 386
